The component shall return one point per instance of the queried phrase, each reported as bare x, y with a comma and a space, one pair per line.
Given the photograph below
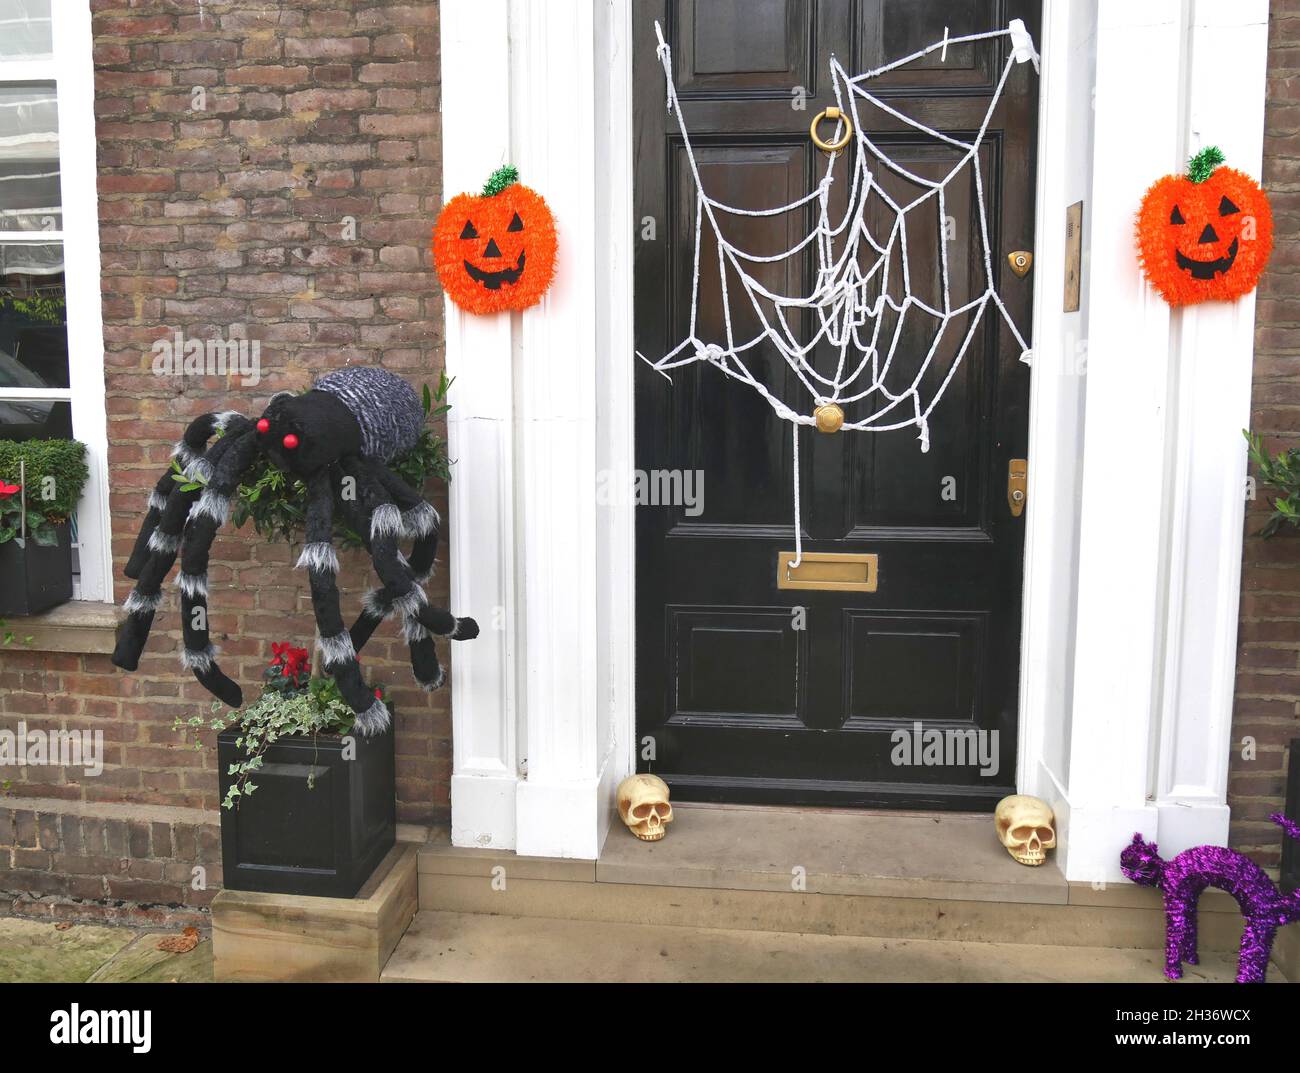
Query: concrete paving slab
143, 963
34, 951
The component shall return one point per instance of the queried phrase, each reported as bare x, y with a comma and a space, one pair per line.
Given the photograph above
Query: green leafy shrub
1280, 472
34, 309
276, 502
49, 476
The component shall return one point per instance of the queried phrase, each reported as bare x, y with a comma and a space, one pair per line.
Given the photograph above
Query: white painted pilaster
562, 805
1119, 625
476, 124
542, 712
1215, 351
1168, 393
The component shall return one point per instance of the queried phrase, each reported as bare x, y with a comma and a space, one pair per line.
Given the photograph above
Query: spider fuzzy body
338, 437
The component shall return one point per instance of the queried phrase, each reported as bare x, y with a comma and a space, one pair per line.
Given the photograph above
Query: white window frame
71, 69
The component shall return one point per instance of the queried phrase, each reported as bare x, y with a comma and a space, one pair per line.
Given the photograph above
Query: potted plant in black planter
307, 806
41, 482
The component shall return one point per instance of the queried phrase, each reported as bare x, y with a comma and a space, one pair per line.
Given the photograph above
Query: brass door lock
1017, 485
1021, 262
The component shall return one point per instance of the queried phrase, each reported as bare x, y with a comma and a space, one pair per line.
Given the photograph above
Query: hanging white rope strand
798, 521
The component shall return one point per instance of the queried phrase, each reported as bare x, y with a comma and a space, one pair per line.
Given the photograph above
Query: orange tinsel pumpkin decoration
496, 251
1206, 235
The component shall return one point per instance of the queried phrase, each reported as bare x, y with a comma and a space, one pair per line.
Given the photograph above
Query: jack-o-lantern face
1206, 235
496, 251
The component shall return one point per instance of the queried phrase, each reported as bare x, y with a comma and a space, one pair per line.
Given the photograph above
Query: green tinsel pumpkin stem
1202, 165
500, 179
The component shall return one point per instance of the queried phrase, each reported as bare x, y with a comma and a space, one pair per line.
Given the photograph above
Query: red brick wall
228, 222
1268, 666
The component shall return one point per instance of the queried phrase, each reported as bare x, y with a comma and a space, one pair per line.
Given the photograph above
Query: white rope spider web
852, 284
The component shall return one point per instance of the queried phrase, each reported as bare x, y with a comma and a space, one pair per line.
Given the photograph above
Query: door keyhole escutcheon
1017, 485
1021, 262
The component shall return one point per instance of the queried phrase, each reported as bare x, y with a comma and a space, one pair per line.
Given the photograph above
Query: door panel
753, 45
754, 693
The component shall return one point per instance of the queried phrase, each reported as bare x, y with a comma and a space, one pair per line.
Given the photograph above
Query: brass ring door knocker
832, 147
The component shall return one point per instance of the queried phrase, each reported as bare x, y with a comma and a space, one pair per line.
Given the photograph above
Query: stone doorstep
936, 877
938, 856
294, 938
829, 851
446, 947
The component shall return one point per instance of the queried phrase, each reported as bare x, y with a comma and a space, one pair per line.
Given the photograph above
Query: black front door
748, 692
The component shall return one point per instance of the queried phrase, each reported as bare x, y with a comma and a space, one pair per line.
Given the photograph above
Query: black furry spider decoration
345, 429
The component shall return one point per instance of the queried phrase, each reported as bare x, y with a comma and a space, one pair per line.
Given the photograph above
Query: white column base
1183, 826
1094, 837
483, 811
564, 818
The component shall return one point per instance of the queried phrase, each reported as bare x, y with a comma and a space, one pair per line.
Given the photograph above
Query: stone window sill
77, 626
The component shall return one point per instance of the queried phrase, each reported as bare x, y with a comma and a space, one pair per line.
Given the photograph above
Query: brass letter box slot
827, 571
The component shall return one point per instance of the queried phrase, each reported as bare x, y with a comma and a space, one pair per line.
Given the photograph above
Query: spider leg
338, 656
419, 520
189, 454
401, 593
208, 515
160, 548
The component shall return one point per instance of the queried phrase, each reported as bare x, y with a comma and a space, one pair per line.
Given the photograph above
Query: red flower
297, 662
6, 490
293, 661
379, 693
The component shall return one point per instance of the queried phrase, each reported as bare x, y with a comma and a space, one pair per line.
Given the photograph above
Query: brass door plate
1017, 485
1073, 256
827, 571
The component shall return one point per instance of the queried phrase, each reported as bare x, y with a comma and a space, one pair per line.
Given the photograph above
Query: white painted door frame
1134, 541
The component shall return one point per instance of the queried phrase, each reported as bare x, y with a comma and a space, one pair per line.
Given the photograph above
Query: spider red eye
290, 442
264, 426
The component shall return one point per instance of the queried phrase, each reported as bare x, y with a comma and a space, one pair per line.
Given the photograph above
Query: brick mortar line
111, 810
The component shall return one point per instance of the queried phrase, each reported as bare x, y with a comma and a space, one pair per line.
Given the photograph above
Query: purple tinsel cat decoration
1265, 907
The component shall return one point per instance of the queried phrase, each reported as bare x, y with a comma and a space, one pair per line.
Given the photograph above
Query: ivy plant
292, 703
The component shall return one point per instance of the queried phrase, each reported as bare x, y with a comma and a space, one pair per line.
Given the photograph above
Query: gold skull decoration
1027, 827
643, 806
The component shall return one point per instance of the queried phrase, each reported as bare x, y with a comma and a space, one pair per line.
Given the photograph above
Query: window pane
26, 31
28, 419
29, 158
33, 316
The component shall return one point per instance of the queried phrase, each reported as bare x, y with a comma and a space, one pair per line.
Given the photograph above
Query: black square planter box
35, 578
317, 823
